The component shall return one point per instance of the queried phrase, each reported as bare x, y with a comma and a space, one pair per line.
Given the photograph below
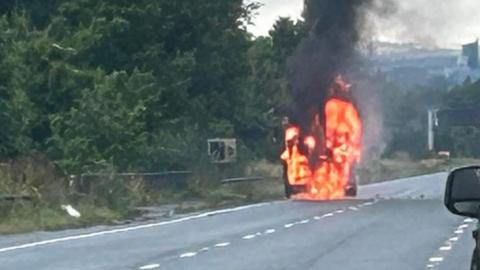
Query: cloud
271, 10
435, 23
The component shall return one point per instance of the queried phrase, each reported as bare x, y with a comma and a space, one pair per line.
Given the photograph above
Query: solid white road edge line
128, 229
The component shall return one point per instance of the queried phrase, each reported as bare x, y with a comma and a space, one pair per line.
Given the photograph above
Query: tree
140, 84
269, 88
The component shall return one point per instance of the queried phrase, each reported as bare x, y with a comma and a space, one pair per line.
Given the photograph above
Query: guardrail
248, 179
174, 179
137, 174
241, 179
13, 198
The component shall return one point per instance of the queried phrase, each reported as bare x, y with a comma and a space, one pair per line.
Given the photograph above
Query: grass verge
27, 217
109, 205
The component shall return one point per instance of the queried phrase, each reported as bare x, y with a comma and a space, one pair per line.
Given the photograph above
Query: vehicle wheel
286, 183
288, 191
351, 191
288, 188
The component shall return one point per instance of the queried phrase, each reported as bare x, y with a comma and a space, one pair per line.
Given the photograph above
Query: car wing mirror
462, 193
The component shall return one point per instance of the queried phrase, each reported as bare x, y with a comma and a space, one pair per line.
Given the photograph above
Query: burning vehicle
319, 160
323, 139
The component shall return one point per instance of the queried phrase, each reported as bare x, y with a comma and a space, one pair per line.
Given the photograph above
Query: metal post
432, 123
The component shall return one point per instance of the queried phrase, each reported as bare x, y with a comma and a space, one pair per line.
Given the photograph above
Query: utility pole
432, 124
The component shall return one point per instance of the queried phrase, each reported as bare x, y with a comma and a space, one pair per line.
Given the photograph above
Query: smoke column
334, 32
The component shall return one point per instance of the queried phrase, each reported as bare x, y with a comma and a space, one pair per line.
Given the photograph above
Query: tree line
141, 85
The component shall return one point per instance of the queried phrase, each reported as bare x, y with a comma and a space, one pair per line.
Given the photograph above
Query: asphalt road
394, 225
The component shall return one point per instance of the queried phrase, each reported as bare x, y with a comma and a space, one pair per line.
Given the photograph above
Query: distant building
470, 51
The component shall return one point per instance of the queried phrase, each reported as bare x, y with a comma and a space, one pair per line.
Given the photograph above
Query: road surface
393, 225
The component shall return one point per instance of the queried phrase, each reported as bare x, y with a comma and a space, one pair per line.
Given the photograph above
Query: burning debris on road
323, 141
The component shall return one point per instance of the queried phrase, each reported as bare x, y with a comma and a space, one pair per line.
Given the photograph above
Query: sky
271, 10
433, 23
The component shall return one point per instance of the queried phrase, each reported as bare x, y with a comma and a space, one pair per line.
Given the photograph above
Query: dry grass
44, 211
27, 217
34, 176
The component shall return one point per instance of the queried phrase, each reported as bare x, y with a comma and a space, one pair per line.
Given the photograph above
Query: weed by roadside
26, 217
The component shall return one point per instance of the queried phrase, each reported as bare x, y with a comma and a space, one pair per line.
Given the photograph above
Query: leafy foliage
459, 129
138, 85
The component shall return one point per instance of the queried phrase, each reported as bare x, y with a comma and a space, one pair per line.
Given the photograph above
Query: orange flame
325, 173
298, 170
310, 142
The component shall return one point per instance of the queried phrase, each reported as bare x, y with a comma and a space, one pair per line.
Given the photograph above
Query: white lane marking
305, 221
368, 204
435, 259
438, 258
327, 215
469, 220
317, 218
205, 249
353, 208
149, 266
248, 237
188, 254
128, 229
339, 211
269, 231
445, 248
224, 244
289, 225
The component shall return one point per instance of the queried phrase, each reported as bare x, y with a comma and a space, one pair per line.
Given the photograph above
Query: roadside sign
222, 150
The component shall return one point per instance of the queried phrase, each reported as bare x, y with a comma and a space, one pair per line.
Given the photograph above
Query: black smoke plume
330, 49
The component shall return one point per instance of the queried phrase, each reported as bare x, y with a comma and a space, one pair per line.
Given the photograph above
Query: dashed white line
224, 244
435, 259
445, 248
353, 208
149, 266
188, 254
339, 211
469, 220
248, 237
205, 249
269, 231
305, 221
317, 218
327, 215
289, 225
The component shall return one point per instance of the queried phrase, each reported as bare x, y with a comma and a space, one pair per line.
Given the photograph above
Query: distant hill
414, 64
